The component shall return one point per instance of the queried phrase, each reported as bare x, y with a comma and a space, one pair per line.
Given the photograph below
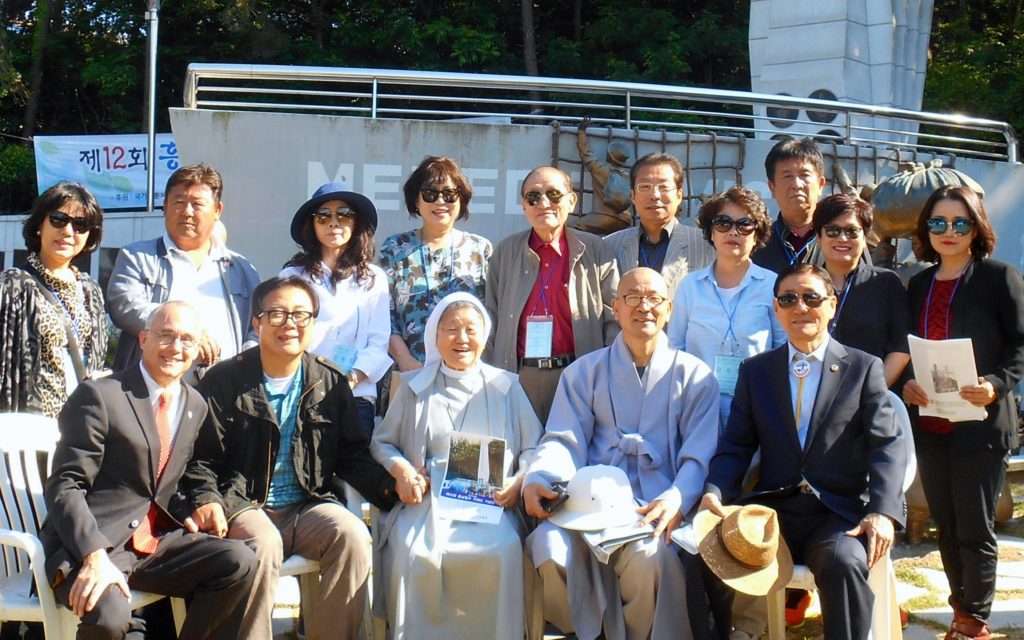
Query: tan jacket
592, 284
687, 251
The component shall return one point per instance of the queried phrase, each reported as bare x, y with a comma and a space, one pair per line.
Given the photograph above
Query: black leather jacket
238, 444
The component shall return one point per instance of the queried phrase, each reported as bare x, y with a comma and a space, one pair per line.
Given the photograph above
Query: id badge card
727, 371
540, 330
345, 358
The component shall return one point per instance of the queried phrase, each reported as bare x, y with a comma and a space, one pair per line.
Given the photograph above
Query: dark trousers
216, 573
962, 488
366, 411
816, 536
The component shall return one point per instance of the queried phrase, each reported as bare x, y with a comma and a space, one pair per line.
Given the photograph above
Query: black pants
962, 488
816, 536
216, 573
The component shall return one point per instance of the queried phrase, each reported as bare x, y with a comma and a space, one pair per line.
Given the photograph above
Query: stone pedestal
865, 51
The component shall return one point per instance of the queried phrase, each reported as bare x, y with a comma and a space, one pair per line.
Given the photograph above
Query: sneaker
796, 608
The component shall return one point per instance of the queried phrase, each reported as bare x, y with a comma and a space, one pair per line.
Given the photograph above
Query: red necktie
143, 539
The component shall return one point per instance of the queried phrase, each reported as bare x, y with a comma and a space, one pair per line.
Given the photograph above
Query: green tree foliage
976, 61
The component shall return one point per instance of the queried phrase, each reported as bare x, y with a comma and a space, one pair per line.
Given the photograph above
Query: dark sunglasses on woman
430, 195
724, 224
59, 220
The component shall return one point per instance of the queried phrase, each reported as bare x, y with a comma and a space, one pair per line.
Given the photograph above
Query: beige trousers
322, 531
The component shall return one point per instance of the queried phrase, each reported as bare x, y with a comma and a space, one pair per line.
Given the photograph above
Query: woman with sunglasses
53, 325
426, 264
963, 464
335, 230
723, 313
872, 312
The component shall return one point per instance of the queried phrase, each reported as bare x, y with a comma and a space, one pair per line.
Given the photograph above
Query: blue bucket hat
333, 191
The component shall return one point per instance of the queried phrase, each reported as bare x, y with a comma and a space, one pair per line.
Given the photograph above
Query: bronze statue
611, 188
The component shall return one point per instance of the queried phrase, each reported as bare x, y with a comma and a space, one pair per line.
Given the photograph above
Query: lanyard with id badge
727, 365
343, 355
540, 329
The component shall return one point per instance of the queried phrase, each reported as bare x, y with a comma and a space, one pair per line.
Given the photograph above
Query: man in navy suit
114, 514
832, 457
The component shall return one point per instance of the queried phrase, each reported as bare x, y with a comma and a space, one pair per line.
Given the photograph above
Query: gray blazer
105, 468
687, 251
141, 281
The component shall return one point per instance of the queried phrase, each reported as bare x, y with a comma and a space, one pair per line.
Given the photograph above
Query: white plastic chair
27, 442
885, 614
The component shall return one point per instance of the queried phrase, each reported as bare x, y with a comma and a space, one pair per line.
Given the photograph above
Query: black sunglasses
811, 299
430, 195
834, 231
532, 198
744, 226
59, 220
938, 226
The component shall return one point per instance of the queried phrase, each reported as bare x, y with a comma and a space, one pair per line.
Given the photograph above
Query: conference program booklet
474, 473
605, 542
941, 367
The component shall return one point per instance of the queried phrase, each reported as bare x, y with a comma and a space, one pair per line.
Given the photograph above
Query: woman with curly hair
335, 230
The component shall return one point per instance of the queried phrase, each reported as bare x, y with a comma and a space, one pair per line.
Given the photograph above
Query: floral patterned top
418, 277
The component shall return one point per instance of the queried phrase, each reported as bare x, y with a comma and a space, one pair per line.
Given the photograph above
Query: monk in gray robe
653, 412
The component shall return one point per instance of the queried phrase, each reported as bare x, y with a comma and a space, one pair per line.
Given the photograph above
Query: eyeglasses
59, 220
811, 299
167, 338
430, 195
554, 196
938, 226
648, 188
324, 216
834, 231
635, 300
277, 317
744, 226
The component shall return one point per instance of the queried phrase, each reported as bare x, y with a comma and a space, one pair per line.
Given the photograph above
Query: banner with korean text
112, 167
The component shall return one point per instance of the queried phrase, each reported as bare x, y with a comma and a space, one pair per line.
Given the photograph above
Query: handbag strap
73, 347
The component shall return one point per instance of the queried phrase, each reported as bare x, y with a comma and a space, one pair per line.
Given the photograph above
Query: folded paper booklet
941, 367
474, 473
606, 541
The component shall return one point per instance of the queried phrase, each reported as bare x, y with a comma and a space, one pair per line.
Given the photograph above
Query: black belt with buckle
554, 362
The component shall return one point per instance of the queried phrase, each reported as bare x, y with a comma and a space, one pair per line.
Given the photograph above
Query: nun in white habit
440, 578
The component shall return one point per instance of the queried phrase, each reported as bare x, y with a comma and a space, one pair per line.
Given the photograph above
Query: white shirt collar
818, 354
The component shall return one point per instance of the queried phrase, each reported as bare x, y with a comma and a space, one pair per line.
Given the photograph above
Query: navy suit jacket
105, 468
854, 457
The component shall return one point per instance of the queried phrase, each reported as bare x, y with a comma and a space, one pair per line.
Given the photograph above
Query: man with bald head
652, 411
549, 291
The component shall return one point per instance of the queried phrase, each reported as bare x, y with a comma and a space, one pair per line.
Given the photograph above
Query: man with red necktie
114, 512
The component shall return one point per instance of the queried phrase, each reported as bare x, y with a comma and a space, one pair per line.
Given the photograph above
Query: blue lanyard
725, 310
544, 285
842, 302
451, 267
659, 255
949, 305
790, 255
67, 312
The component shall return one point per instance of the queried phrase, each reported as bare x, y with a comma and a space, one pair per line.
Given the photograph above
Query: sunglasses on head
744, 226
938, 226
430, 195
59, 220
325, 215
834, 231
532, 198
811, 299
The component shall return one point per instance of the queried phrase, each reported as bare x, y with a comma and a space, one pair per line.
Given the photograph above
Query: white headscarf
430, 333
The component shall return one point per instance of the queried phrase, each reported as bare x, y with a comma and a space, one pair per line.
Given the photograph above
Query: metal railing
383, 93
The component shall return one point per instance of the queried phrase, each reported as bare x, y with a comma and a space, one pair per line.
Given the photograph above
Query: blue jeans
367, 412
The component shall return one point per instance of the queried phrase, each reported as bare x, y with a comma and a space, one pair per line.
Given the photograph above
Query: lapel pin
834, 368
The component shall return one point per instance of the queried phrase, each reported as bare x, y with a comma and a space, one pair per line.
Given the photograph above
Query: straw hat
745, 548
600, 496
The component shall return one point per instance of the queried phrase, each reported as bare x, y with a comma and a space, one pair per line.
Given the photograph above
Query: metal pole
152, 20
